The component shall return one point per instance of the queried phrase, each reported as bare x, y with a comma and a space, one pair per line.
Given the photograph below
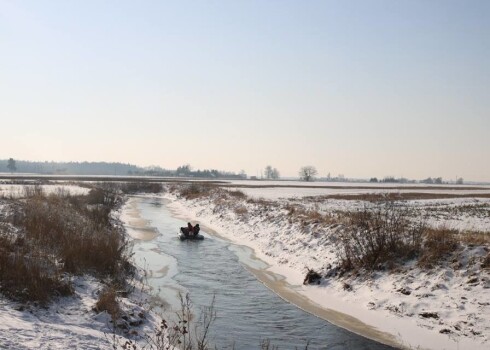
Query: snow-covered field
447, 307
269, 183
298, 189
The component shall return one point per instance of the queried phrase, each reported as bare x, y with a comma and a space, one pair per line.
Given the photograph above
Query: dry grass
393, 196
474, 238
240, 210
194, 190
141, 187
237, 194
380, 237
107, 301
385, 236
56, 235
260, 202
81, 237
486, 262
29, 274
438, 243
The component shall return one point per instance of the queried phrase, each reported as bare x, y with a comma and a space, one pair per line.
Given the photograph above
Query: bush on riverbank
141, 187
382, 235
48, 237
375, 237
193, 190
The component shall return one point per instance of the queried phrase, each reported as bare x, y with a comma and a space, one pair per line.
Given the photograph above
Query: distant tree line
67, 168
429, 180
186, 171
108, 168
306, 173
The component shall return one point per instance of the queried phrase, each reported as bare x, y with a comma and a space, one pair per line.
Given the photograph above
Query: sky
360, 88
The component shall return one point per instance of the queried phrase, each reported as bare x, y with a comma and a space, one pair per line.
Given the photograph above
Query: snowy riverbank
441, 308
76, 316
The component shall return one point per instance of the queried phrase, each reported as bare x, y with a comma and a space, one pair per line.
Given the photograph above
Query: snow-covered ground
447, 307
71, 322
67, 323
274, 190
454, 299
298, 192
291, 183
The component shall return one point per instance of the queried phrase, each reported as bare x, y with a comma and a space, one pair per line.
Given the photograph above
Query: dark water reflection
247, 311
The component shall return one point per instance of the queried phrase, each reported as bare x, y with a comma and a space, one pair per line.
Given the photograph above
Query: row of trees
271, 173
306, 173
429, 180
104, 168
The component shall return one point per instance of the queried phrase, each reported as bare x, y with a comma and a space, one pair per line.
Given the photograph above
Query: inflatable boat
184, 234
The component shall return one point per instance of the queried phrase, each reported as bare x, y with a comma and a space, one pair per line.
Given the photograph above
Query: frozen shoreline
371, 302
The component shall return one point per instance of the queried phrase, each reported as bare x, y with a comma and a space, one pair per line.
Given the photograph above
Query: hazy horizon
360, 88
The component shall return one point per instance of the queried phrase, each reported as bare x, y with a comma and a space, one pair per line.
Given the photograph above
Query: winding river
247, 311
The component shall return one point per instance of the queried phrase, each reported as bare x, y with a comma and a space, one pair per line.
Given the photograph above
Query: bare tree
271, 173
307, 173
11, 165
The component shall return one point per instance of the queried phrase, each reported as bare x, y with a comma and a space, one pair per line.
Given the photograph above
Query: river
247, 311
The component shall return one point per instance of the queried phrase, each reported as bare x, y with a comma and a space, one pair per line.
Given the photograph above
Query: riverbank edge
277, 281
409, 332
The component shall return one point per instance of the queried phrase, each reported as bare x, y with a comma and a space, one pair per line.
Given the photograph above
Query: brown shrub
29, 275
241, 210
33, 191
379, 237
141, 187
194, 190
237, 194
104, 195
474, 237
82, 238
486, 262
438, 243
108, 302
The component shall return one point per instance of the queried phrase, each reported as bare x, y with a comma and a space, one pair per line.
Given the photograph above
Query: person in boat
190, 229
196, 229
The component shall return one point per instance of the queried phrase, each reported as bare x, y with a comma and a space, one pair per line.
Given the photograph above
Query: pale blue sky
362, 88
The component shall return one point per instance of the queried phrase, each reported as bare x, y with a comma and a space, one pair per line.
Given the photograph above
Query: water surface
247, 311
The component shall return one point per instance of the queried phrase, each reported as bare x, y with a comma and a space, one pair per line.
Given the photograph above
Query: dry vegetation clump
389, 234
58, 235
241, 210
186, 332
474, 238
486, 262
380, 236
27, 274
33, 191
141, 187
260, 202
194, 190
438, 243
107, 301
237, 194
81, 237
310, 216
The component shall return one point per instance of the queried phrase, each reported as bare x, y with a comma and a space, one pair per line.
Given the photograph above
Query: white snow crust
390, 301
